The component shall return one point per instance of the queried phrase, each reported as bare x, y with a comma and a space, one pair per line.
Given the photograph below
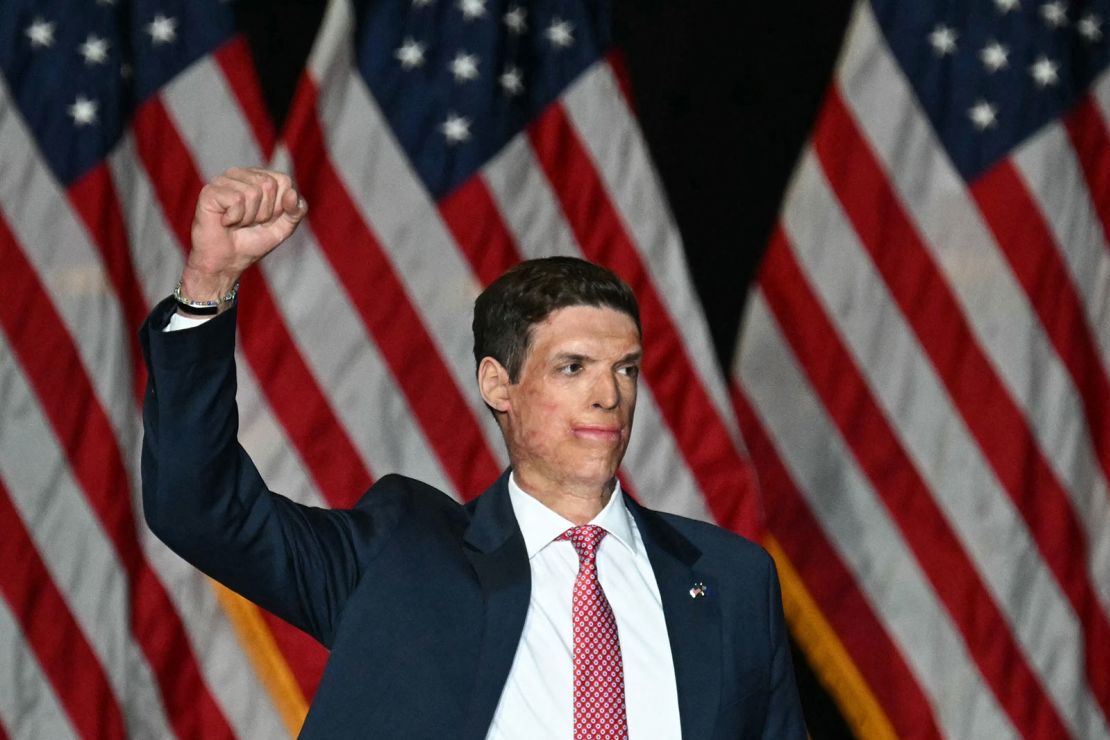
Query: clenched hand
241, 216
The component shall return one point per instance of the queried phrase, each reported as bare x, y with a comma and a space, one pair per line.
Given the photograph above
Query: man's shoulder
415, 499
394, 489
397, 483
738, 570
398, 509
713, 541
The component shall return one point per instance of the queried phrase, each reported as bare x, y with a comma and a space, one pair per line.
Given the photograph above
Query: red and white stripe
27, 700
923, 367
69, 341
152, 620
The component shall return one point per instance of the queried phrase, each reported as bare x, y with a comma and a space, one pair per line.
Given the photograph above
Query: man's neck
577, 504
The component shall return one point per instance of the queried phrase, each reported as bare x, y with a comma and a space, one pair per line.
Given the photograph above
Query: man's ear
493, 384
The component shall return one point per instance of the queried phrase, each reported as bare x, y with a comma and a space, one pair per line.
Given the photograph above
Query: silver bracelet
203, 308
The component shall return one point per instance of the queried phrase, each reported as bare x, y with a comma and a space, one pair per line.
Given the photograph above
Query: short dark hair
529, 292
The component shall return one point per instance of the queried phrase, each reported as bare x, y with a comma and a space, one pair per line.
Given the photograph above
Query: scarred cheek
545, 420
539, 425
537, 405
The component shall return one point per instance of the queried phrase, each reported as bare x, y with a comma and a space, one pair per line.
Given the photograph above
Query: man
550, 606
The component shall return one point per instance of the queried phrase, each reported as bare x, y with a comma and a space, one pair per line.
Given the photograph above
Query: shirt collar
540, 525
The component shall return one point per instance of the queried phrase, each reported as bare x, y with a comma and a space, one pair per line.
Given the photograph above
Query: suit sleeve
205, 499
784, 709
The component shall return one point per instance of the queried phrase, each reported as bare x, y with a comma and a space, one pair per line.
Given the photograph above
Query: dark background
725, 92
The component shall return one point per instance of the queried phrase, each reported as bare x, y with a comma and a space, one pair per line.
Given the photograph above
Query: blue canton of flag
457, 81
77, 70
990, 73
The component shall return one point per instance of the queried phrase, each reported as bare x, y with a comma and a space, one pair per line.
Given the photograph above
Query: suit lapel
693, 624
495, 548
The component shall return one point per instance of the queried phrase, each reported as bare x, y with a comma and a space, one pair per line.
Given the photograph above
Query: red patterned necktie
598, 672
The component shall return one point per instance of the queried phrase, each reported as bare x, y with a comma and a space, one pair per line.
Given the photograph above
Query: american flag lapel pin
698, 590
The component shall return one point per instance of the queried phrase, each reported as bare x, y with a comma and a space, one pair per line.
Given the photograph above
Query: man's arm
202, 494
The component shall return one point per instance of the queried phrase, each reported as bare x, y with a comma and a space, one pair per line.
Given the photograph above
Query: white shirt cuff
178, 322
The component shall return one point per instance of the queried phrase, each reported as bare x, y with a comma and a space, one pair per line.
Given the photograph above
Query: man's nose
606, 391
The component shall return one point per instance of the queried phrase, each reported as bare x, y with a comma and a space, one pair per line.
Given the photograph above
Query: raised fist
241, 216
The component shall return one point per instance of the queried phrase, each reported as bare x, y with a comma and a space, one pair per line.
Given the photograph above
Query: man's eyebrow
581, 358
571, 357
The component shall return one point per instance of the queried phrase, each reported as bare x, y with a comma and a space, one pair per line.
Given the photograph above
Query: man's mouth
598, 433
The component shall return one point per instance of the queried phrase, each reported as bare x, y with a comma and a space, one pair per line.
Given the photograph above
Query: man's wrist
203, 284
200, 294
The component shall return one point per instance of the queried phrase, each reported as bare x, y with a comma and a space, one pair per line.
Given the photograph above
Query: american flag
438, 142
923, 373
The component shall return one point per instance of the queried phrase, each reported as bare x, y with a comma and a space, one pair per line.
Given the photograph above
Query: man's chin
604, 478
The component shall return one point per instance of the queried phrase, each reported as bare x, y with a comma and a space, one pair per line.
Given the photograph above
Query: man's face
569, 415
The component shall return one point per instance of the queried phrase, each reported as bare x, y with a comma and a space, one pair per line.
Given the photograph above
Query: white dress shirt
538, 700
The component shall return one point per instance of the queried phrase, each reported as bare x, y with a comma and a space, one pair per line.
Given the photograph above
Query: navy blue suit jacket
420, 599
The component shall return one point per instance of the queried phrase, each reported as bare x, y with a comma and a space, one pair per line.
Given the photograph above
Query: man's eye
570, 368
630, 371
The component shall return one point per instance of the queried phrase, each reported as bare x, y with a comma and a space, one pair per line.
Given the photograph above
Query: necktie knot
585, 539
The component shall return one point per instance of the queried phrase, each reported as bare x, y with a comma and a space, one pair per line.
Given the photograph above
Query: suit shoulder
717, 542
394, 497
393, 486
741, 569
398, 482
